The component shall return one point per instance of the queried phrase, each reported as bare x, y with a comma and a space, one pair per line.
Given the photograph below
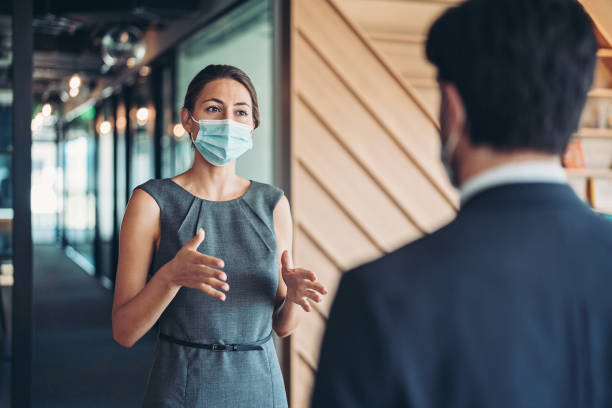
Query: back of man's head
522, 67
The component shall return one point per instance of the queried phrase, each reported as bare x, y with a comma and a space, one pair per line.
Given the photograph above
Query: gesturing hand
195, 270
301, 284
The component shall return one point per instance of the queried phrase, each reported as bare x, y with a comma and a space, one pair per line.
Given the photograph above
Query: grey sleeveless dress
241, 232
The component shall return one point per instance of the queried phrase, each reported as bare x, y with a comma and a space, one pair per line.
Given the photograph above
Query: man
510, 305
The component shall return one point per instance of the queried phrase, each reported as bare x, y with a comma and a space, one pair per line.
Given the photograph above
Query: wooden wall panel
328, 269
373, 82
408, 57
405, 18
329, 225
365, 171
401, 36
367, 139
327, 161
308, 337
430, 94
302, 381
601, 13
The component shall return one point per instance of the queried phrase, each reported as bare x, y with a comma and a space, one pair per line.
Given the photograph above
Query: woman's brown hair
213, 72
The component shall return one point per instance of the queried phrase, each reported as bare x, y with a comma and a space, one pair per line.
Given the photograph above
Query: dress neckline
240, 197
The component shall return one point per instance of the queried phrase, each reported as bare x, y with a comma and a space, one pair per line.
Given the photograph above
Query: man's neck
482, 159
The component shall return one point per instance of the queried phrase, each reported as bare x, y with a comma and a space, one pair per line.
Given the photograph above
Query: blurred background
89, 100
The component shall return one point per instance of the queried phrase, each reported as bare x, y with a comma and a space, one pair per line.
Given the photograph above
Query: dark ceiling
68, 34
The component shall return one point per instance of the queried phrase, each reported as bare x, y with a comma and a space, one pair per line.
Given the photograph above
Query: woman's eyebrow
214, 100
242, 103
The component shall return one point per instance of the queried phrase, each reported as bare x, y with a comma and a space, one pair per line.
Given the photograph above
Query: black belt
218, 347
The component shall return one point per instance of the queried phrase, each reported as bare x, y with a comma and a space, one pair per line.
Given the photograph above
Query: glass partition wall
105, 193
79, 211
142, 127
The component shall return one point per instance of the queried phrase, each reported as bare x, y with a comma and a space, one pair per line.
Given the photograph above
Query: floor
76, 362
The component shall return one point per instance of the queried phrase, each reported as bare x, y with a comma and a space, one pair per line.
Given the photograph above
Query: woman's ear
188, 124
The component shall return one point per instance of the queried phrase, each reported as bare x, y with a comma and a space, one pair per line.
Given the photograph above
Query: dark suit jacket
510, 305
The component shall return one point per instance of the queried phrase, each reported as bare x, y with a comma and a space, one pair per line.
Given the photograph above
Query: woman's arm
294, 285
137, 305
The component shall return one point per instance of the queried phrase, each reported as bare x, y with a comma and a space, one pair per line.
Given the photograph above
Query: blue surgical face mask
221, 142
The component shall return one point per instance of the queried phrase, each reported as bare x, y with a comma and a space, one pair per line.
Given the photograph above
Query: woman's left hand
301, 284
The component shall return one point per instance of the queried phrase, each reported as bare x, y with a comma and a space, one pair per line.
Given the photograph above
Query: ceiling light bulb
178, 131
46, 110
145, 70
105, 127
142, 115
75, 81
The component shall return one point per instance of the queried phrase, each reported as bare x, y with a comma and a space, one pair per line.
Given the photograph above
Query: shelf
604, 53
593, 133
600, 93
594, 173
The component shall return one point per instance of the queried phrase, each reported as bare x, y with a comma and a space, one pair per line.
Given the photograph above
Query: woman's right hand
195, 270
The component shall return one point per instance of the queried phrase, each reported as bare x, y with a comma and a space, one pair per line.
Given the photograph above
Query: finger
317, 286
285, 261
217, 284
211, 292
208, 272
310, 294
207, 260
305, 305
195, 242
306, 274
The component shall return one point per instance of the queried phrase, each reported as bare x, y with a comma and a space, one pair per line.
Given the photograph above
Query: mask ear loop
450, 146
190, 135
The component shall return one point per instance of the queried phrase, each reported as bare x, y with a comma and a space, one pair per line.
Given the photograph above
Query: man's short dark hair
522, 67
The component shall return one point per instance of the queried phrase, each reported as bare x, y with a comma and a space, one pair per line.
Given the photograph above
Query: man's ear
452, 114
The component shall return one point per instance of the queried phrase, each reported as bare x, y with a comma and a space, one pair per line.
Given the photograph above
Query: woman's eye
213, 109
242, 113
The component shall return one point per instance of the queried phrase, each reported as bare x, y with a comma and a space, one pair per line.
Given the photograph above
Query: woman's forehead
227, 90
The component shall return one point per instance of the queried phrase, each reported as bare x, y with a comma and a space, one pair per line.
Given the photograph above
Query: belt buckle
219, 347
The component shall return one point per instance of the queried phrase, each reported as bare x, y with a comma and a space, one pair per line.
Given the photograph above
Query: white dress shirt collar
526, 172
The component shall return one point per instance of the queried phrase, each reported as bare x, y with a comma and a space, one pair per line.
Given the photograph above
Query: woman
208, 254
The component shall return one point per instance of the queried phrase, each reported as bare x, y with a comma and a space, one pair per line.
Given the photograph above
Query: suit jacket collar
526, 172
524, 196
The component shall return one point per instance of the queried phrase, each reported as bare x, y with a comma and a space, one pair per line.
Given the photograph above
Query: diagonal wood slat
601, 13
336, 167
309, 254
362, 135
330, 225
368, 75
